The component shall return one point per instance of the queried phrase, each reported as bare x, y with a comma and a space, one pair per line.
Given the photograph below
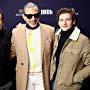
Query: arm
12, 49
85, 72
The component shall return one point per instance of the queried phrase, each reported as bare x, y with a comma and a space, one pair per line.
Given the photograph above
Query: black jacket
4, 57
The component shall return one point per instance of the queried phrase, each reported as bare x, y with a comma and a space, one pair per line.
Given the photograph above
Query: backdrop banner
13, 9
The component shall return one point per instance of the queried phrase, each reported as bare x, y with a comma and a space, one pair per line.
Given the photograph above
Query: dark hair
65, 10
2, 15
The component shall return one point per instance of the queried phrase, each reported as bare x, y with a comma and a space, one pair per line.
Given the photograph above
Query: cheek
70, 24
0, 22
28, 21
59, 23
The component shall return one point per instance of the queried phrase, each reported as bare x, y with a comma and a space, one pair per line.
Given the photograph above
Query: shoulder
46, 26
18, 28
6, 33
84, 38
84, 41
5, 37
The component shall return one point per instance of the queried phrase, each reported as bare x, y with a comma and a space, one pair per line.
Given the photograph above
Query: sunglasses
29, 16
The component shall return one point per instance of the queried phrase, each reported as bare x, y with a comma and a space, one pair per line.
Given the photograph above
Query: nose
64, 22
33, 18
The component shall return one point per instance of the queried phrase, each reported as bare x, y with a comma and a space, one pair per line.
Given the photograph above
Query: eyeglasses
29, 16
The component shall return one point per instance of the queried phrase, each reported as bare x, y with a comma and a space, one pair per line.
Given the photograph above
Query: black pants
6, 86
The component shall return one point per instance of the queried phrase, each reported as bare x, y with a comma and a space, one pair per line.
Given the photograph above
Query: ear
24, 17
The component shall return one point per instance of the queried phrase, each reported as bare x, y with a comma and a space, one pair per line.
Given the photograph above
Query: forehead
65, 15
32, 10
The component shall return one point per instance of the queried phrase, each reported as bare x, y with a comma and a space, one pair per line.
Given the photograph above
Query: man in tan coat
32, 45
70, 63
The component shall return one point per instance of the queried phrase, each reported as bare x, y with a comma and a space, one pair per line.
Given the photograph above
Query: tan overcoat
19, 49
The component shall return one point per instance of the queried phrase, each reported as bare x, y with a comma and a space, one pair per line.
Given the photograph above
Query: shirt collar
74, 36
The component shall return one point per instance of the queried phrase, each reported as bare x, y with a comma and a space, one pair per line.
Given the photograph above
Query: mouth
64, 26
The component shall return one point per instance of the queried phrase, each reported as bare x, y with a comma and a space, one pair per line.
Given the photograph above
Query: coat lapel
66, 43
55, 44
24, 44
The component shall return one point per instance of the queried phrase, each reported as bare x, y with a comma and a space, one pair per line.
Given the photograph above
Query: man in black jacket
5, 79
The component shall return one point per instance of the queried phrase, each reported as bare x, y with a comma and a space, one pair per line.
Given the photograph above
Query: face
1, 22
31, 16
65, 21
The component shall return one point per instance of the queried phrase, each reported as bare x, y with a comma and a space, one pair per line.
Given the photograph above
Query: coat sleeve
85, 71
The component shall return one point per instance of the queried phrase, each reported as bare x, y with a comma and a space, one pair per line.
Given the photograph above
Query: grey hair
30, 5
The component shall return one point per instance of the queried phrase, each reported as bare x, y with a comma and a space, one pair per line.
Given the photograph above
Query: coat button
22, 64
55, 46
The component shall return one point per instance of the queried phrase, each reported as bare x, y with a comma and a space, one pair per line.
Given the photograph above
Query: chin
33, 25
65, 29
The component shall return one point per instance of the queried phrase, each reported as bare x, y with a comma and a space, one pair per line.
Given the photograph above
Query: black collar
67, 33
32, 28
